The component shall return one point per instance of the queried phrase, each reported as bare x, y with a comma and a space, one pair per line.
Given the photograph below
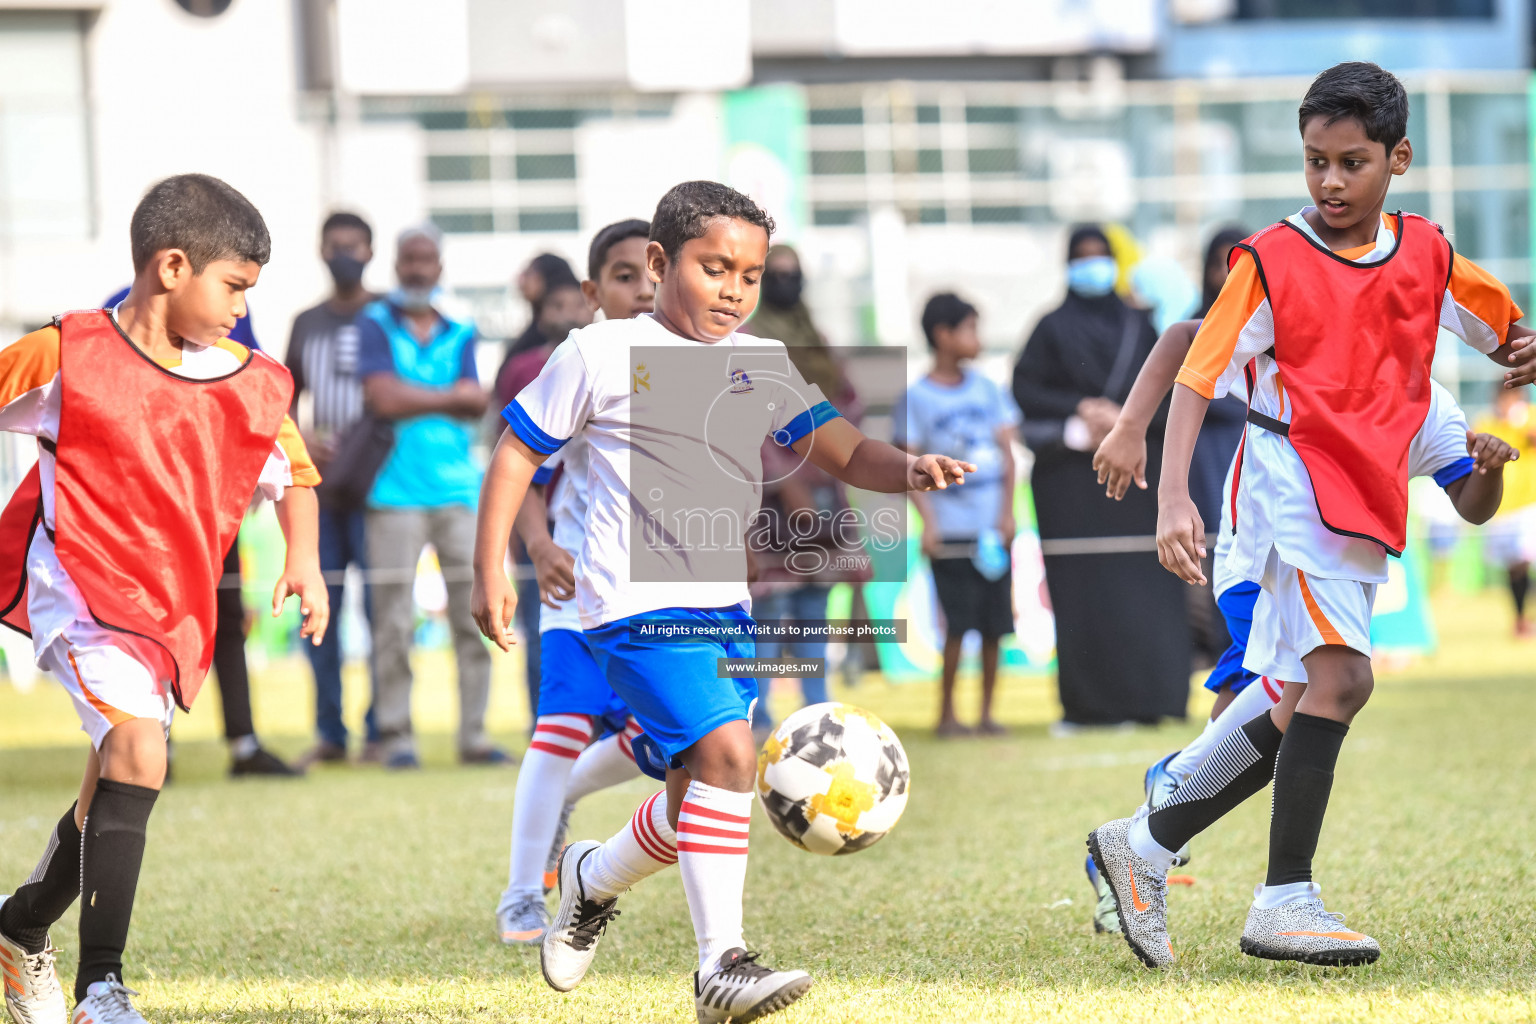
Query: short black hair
610, 236
342, 219
1363, 91
203, 217
945, 309
685, 211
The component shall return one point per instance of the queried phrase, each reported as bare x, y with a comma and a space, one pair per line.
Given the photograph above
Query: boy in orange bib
1330, 317
153, 431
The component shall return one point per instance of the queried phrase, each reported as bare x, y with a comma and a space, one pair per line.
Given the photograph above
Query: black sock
1519, 585
1303, 780
112, 850
1240, 766
42, 899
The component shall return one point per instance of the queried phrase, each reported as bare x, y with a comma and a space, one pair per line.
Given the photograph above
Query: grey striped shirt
322, 356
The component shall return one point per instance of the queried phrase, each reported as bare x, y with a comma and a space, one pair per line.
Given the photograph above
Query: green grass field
357, 896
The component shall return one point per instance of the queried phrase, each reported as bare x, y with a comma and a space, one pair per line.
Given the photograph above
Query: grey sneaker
571, 941
552, 863
522, 920
741, 989
31, 983
1106, 916
1140, 891
107, 1002
1303, 930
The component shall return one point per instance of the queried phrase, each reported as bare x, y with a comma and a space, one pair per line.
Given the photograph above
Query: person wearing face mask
418, 370
322, 356
1122, 632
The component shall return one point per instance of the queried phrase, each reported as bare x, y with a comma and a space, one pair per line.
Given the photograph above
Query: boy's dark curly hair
686, 210
203, 217
1363, 91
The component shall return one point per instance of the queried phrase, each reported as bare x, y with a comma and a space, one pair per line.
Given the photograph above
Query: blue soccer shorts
1236, 604
570, 683
672, 685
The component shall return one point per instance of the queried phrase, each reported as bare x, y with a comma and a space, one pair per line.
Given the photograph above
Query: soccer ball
833, 778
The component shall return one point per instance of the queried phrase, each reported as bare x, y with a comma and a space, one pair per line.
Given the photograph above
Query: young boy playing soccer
956, 408
1444, 449
1336, 309
153, 431
674, 406
574, 698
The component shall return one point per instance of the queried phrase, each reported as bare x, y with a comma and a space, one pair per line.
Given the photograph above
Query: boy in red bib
153, 431
1330, 318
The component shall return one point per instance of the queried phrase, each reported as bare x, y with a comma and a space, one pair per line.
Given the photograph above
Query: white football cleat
32, 992
107, 1002
571, 941
741, 989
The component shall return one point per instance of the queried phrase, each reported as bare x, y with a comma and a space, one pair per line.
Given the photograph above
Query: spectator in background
967, 531
1509, 539
561, 307
246, 754
322, 356
1214, 448
791, 484
1122, 624
418, 369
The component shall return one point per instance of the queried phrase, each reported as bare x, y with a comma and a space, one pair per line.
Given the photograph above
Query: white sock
1268, 897
541, 786
640, 849
1255, 699
712, 855
1140, 840
605, 763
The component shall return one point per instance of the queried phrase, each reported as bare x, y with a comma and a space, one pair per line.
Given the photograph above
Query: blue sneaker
1159, 787
1106, 915
403, 761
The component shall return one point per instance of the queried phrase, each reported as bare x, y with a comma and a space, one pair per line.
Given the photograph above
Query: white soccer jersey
568, 501
1438, 450
674, 429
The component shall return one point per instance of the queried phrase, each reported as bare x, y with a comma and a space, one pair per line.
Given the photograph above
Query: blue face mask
1093, 276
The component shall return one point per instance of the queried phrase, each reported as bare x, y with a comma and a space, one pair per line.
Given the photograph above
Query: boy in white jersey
1444, 449
574, 698
674, 420
1347, 302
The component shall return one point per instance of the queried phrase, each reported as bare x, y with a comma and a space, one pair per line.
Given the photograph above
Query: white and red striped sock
712, 855
640, 849
541, 787
1255, 699
605, 763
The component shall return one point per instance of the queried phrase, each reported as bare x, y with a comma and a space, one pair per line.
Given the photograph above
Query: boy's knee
134, 752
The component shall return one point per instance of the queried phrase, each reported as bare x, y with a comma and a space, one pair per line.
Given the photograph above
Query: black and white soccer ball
833, 778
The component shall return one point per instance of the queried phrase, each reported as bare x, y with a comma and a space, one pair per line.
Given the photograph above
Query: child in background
574, 698
1510, 539
113, 547
967, 533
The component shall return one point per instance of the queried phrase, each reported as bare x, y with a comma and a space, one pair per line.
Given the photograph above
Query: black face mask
782, 289
346, 270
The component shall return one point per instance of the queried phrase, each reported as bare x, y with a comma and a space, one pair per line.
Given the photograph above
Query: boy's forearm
532, 523
298, 516
1480, 496
1184, 420
501, 496
1157, 375
877, 466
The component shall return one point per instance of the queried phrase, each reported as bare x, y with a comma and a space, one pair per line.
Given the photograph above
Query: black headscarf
1084, 232
1221, 242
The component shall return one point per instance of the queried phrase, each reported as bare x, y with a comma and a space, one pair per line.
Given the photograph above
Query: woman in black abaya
1122, 629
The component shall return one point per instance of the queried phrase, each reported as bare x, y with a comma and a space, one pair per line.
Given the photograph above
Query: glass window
444, 120
464, 222
544, 166
928, 114
45, 158
994, 161
543, 118
932, 215
837, 161
992, 115
458, 168
1266, 9
836, 216
997, 214
837, 115
548, 219
930, 161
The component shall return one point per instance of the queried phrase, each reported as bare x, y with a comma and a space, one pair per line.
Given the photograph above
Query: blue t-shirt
242, 332
959, 420
430, 466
